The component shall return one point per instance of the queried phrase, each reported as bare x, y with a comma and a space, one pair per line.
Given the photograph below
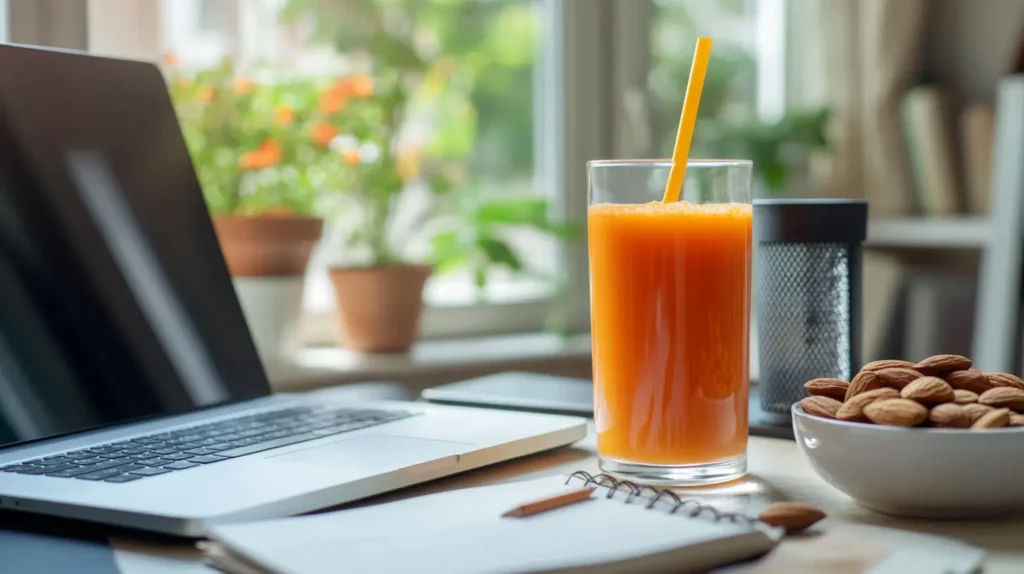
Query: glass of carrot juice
670, 319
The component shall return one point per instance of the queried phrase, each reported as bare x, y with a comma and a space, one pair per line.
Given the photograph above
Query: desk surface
777, 472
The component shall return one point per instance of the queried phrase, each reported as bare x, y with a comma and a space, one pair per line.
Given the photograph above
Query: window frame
595, 59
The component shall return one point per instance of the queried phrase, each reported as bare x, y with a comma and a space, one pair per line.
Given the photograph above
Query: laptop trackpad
378, 453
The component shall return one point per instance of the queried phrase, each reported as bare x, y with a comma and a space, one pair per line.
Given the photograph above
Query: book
623, 527
925, 113
977, 128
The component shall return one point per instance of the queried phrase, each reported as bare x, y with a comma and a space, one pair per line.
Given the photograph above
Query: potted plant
259, 150
379, 289
379, 284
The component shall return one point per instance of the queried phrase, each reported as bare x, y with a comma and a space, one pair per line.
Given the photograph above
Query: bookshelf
999, 237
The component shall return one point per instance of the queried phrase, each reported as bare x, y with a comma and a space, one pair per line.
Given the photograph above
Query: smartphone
519, 391
560, 395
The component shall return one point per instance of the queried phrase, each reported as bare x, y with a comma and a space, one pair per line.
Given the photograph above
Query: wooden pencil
550, 503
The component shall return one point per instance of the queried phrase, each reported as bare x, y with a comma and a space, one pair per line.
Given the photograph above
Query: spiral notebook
623, 527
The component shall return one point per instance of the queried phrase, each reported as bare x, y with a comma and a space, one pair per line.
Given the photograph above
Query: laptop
131, 392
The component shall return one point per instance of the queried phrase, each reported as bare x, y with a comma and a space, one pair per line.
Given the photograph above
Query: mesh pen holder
808, 295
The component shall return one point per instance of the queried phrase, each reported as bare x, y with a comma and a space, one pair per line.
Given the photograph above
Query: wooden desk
777, 472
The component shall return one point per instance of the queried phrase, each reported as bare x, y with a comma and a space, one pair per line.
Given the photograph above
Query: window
730, 88
484, 117
542, 87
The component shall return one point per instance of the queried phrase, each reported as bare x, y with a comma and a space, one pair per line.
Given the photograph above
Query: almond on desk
793, 516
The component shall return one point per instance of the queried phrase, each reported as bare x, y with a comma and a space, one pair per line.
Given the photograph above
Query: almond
864, 381
963, 397
1016, 421
896, 412
898, 377
997, 418
970, 380
1005, 380
887, 364
1003, 398
976, 411
831, 388
929, 391
942, 364
820, 406
793, 516
853, 409
950, 415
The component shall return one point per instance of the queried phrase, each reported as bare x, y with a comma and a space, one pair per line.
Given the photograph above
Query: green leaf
775, 175
439, 184
565, 230
500, 253
448, 252
529, 210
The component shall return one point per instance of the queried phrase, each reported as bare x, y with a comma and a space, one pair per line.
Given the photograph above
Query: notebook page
463, 531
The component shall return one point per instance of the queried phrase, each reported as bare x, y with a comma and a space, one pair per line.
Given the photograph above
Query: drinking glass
670, 319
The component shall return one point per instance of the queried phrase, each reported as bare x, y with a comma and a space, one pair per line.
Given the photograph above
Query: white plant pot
271, 306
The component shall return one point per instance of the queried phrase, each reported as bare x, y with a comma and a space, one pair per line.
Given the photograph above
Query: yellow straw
686, 122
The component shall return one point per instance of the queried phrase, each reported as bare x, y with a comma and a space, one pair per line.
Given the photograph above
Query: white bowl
917, 472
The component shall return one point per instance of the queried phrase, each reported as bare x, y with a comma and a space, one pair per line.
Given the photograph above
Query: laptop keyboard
182, 449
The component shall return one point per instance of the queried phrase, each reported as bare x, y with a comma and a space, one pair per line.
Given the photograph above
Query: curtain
874, 50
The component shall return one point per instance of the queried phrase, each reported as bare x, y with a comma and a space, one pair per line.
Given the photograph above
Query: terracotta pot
379, 307
267, 246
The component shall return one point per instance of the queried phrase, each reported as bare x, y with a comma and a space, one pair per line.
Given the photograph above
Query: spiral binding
633, 490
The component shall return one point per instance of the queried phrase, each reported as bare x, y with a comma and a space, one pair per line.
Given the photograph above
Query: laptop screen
115, 302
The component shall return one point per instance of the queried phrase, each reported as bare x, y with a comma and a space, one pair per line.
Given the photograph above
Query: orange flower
323, 133
170, 60
183, 83
360, 86
341, 88
332, 101
244, 85
284, 115
206, 94
268, 154
351, 156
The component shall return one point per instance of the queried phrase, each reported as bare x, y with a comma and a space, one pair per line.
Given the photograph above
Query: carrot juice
670, 307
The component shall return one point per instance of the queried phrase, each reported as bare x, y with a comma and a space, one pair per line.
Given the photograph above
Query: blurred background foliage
252, 144
475, 59
729, 125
